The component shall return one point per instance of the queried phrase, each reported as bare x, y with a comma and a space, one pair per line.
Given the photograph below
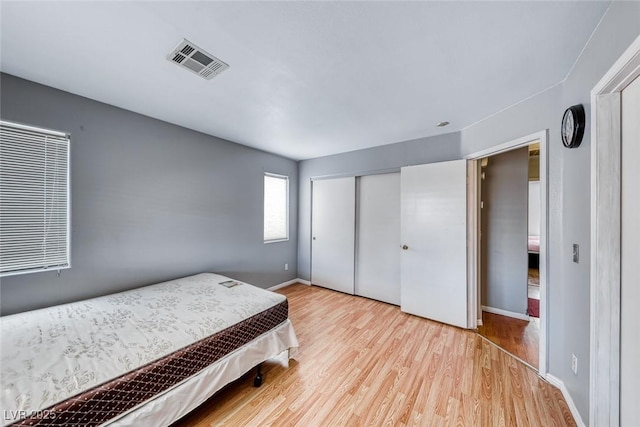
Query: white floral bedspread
51, 354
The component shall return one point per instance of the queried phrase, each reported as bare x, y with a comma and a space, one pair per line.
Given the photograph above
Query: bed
142, 357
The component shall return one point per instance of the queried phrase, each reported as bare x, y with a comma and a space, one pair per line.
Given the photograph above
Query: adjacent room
319, 213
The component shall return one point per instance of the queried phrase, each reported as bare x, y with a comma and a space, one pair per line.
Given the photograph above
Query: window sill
276, 241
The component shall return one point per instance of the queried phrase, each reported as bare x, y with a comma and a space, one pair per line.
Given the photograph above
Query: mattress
533, 245
87, 362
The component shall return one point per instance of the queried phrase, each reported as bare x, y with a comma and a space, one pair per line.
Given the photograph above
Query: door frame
473, 231
605, 279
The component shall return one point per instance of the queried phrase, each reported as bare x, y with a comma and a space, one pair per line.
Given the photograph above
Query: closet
356, 236
395, 237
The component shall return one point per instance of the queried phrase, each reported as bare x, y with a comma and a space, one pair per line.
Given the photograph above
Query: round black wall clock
573, 126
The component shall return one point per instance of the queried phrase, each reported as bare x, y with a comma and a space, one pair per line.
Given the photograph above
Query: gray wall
569, 191
151, 201
361, 162
504, 236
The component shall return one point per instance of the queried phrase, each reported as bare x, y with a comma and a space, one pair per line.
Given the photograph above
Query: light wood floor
362, 362
518, 337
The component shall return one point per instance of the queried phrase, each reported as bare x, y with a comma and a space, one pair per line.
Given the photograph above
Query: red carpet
534, 307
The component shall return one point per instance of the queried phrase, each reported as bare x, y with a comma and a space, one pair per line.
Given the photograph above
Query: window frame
286, 179
67, 136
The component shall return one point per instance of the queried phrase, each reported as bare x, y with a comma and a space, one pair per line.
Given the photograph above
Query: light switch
576, 253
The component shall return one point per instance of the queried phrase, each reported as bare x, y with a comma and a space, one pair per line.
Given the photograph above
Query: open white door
333, 234
434, 238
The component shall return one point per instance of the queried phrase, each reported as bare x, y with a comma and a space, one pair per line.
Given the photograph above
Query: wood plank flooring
363, 362
518, 337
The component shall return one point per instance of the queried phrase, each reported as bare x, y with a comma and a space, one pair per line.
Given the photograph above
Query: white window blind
276, 208
34, 199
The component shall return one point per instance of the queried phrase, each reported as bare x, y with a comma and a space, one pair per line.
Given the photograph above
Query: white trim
473, 254
506, 313
542, 137
479, 322
604, 379
284, 285
557, 382
304, 282
356, 174
509, 145
266, 242
621, 73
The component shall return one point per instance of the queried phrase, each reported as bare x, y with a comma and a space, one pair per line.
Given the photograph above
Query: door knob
314, 238
405, 247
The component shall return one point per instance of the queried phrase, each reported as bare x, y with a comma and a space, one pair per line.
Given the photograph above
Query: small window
34, 199
276, 208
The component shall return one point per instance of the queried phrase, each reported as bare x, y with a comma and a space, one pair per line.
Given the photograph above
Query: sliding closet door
333, 234
434, 239
378, 249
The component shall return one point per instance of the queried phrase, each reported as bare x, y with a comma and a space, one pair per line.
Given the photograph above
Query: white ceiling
307, 78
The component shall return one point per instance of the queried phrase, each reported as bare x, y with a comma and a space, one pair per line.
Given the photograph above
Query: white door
434, 233
333, 233
378, 248
630, 254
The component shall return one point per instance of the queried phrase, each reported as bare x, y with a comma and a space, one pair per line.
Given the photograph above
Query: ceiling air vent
194, 59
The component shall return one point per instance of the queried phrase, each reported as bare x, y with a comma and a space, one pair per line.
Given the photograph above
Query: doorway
509, 250
509, 273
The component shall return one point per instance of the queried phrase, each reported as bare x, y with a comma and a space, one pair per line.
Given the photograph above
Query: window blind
276, 212
34, 199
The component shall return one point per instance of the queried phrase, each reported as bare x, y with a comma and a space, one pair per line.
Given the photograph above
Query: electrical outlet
574, 363
286, 267
576, 253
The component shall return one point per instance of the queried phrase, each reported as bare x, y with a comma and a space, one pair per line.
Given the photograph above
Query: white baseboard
557, 382
479, 322
505, 313
283, 285
290, 282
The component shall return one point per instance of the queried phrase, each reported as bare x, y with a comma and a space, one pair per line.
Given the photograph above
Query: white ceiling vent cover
196, 60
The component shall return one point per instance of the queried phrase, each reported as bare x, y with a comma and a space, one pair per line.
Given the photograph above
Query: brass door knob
405, 247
